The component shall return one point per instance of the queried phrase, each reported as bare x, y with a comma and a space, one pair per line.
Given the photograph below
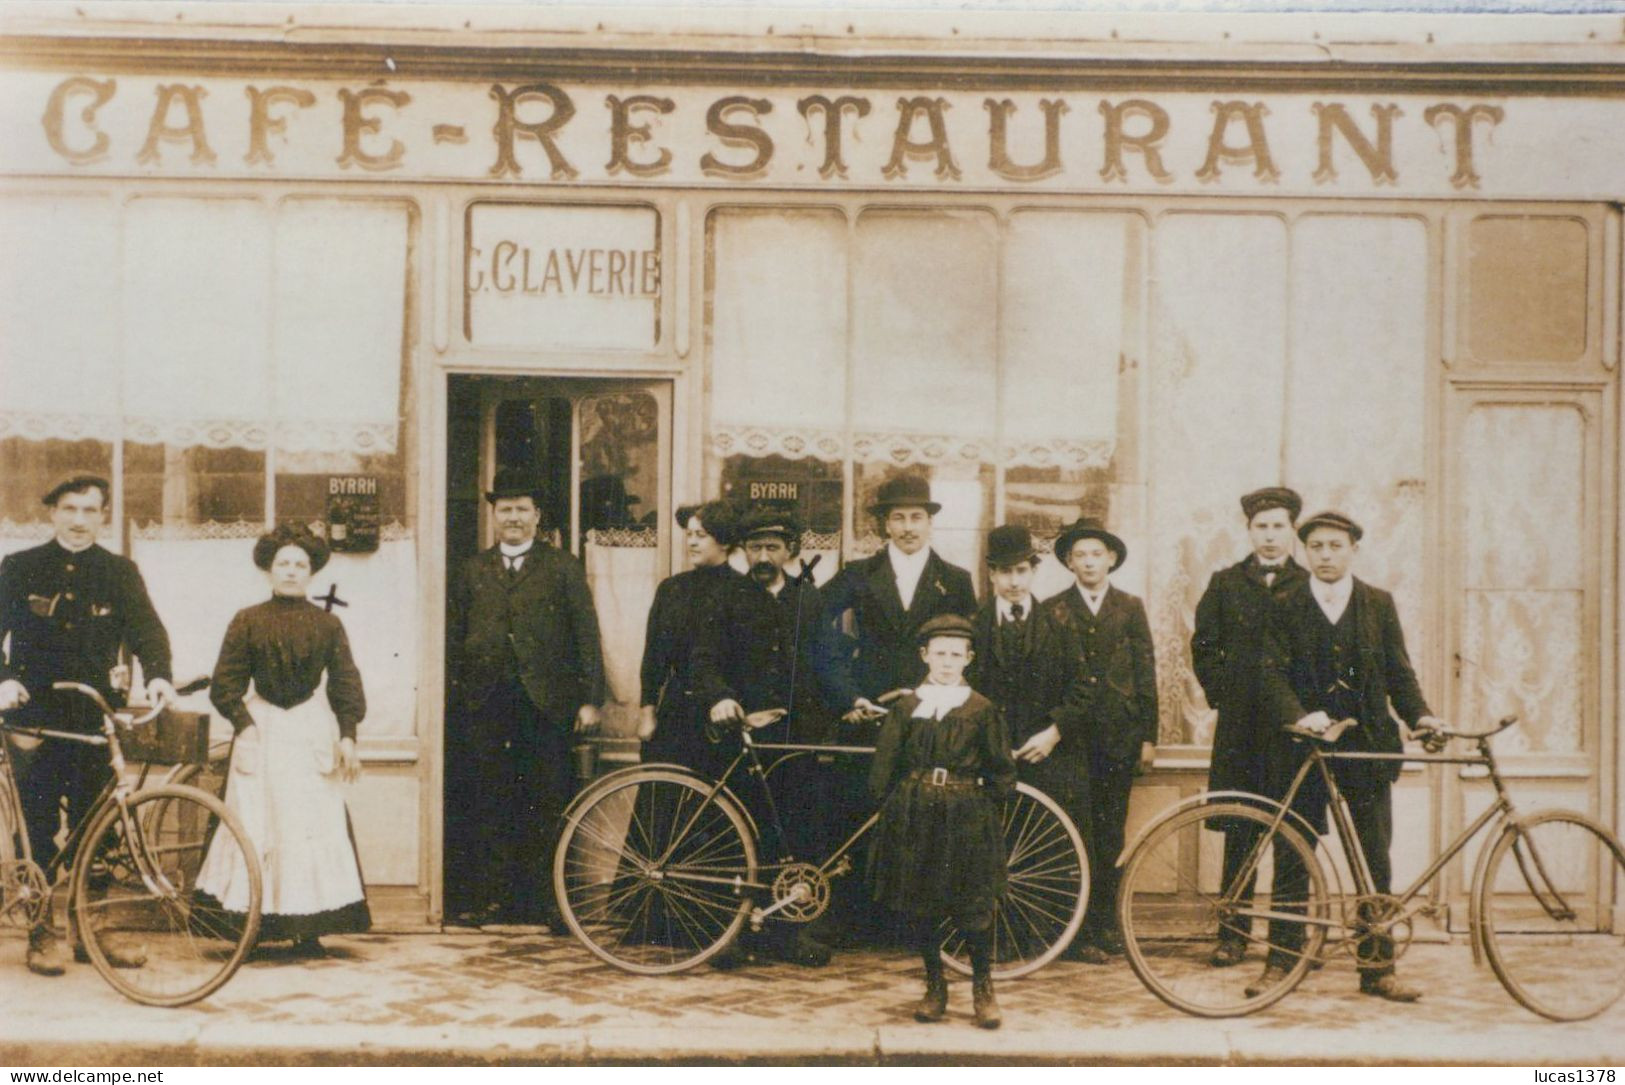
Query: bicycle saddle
765, 718
1328, 736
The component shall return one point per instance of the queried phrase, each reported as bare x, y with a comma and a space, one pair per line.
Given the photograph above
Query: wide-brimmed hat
770, 521
271, 543
1331, 518
514, 482
1010, 544
1272, 497
945, 625
1089, 528
905, 491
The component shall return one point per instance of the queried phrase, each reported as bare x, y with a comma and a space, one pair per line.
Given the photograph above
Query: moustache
764, 570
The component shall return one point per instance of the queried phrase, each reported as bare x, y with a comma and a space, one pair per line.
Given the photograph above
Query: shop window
32, 467
1526, 288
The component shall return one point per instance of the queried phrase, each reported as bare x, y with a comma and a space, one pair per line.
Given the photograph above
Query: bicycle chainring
813, 897
1379, 917
24, 893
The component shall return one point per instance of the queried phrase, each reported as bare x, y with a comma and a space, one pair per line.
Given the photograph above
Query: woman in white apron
287, 683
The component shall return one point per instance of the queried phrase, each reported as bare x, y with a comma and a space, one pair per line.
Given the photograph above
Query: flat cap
1272, 497
946, 625
1331, 518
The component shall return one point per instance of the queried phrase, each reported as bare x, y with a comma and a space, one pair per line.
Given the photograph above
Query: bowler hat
514, 482
1089, 528
1331, 518
904, 491
1010, 544
770, 521
1272, 497
946, 625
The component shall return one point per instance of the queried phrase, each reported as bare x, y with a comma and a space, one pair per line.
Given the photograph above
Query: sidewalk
525, 997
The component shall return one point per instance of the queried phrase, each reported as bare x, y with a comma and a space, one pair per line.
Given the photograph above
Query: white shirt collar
937, 701
908, 568
1268, 566
509, 550
1334, 597
1004, 607
1093, 599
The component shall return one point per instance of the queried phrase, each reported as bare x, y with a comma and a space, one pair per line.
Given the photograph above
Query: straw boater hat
1331, 518
946, 625
1089, 528
513, 482
1272, 497
905, 491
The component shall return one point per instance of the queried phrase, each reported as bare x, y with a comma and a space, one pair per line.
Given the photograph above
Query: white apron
284, 788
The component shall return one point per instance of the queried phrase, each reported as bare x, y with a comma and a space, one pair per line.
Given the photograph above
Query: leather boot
934, 1006
984, 1004
46, 956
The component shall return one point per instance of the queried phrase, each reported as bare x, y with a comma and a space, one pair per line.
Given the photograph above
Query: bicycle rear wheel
652, 877
1547, 915
1046, 890
1173, 909
135, 896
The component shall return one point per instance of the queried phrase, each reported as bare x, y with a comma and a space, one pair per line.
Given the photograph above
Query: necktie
513, 561
1016, 612
1269, 578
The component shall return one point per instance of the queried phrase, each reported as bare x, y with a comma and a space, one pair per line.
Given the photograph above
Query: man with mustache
767, 644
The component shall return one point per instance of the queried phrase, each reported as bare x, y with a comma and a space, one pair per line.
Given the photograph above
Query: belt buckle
939, 777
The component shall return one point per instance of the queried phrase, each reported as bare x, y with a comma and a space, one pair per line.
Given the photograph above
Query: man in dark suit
1334, 652
1023, 663
530, 673
1225, 649
887, 597
69, 606
1114, 700
766, 644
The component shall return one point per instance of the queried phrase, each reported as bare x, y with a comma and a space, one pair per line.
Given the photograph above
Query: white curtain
622, 579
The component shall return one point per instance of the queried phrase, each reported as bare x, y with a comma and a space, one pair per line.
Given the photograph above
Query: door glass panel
533, 436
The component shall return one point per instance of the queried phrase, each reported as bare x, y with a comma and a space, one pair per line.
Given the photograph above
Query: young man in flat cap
1113, 700
69, 606
1023, 663
1336, 651
530, 675
767, 644
1225, 650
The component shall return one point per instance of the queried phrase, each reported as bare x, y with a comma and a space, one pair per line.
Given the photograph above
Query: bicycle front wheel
1547, 915
1174, 907
136, 904
652, 874
1046, 889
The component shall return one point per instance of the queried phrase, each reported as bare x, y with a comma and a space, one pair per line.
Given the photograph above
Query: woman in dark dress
943, 767
672, 727
286, 681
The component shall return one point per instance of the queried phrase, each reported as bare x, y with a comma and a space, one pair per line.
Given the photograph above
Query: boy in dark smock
943, 768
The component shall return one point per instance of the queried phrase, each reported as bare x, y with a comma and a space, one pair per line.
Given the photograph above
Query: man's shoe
1387, 986
731, 959
1110, 941
934, 1006
46, 956
985, 1005
1272, 977
1087, 952
807, 951
118, 954
1227, 953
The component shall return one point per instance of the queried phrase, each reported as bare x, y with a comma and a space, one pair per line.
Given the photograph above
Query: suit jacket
884, 654
1226, 649
1027, 675
750, 643
1113, 702
538, 626
682, 605
69, 613
1385, 677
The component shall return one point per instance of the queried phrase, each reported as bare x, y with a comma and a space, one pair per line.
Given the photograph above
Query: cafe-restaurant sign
540, 131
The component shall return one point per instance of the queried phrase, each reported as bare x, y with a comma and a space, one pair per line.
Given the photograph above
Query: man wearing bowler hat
1231, 618
1114, 700
1334, 652
530, 675
1024, 664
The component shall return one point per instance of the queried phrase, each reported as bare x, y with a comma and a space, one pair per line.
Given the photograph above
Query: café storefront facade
276, 264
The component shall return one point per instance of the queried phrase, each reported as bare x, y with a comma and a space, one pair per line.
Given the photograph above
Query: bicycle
135, 858
658, 868
1542, 905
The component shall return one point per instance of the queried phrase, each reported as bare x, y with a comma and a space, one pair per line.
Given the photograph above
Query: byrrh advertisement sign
560, 133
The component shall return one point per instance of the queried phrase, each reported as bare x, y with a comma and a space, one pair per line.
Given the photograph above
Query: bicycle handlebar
124, 715
1336, 730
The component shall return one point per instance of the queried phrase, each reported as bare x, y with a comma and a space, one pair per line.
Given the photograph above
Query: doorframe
434, 582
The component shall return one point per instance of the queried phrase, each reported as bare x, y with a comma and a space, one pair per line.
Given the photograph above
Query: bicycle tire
1046, 890
1171, 922
634, 912
142, 884
1545, 915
